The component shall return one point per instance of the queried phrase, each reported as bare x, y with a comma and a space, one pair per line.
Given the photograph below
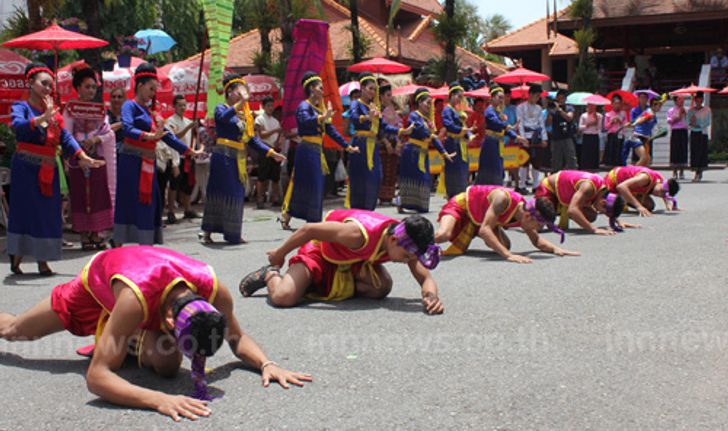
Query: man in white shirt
269, 131
182, 171
531, 125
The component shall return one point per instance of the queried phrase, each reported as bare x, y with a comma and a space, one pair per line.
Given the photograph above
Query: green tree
451, 29
586, 77
495, 26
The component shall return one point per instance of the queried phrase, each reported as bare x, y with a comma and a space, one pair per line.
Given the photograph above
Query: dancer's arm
109, 355
346, 234
247, 350
430, 298
488, 230
581, 197
624, 190
546, 246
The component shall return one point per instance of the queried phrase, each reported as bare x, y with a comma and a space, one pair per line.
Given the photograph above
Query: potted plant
74, 24
129, 48
108, 59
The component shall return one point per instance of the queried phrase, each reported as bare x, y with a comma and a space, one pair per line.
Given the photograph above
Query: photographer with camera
563, 150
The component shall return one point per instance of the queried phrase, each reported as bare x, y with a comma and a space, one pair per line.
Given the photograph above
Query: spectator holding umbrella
699, 117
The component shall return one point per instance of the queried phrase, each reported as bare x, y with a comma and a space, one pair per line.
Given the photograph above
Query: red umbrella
724, 91
379, 65
409, 89
12, 81
55, 38
479, 93
440, 93
522, 92
596, 99
628, 99
692, 89
521, 76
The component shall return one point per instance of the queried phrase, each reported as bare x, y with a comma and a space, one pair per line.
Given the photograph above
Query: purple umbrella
649, 92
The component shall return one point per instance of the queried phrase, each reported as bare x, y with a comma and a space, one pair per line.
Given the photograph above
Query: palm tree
450, 72
355, 35
496, 26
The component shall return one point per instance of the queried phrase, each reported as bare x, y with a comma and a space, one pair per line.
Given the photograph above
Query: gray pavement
632, 335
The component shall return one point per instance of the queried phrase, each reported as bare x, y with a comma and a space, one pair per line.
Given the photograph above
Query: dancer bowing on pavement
486, 211
305, 194
228, 165
636, 183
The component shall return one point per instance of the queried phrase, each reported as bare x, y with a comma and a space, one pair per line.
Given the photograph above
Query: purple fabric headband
429, 258
611, 199
531, 208
182, 327
668, 197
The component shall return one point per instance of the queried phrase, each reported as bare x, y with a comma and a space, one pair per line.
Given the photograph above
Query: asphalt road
631, 335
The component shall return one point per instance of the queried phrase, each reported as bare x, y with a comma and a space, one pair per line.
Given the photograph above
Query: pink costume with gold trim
567, 183
469, 209
621, 174
85, 303
332, 266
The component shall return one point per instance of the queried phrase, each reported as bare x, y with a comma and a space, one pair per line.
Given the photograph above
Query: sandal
255, 280
87, 351
45, 272
205, 237
285, 224
15, 267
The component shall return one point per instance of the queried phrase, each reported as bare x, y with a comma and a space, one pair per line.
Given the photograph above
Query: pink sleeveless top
477, 204
372, 225
621, 174
151, 272
568, 181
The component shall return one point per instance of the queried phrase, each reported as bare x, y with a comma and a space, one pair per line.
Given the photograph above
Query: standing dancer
699, 120
343, 257
34, 221
580, 196
636, 183
486, 211
228, 165
590, 124
390, 145
91, 196
455, 173
414, 168
490, 163
677, 119
157, 305
365, 167
305, 195
138, 208
614, 123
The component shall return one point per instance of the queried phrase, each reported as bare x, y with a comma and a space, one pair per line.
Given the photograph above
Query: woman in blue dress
414, 166
305, 194
138, 208
365, 167
453, 118
490, 163
228, 166
34, 221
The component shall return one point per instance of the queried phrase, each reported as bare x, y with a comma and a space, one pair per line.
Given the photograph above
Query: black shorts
268, 169
186, 181
165, 177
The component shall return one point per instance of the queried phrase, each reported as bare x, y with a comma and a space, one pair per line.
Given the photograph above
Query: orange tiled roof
626, 8
422, 7
535, 35
415, 51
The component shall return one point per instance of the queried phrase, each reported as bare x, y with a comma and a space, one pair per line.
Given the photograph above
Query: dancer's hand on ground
630, 225
564, 252
179, 406
517, 258
432, 304
644, 212
283, 377
605, 232
275, 259
87, 162
450, 156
